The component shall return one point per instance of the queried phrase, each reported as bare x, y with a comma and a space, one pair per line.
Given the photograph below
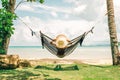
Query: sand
69, 61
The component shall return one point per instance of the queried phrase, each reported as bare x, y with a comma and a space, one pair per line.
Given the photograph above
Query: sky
69, 17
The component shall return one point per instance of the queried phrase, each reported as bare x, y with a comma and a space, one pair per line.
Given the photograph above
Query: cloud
79, 9
54, 14
75, 2
73, 10
25, 7
22, 34
52, 26
70, 20
50, 8
54, 11
92, 8
71, 28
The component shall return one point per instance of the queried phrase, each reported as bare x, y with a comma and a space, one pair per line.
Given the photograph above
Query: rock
24, 63
9, 61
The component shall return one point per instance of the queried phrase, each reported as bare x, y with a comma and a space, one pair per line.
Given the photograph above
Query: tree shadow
52, 79
101, 66
24, 75
58, 68
43, 67
17, 75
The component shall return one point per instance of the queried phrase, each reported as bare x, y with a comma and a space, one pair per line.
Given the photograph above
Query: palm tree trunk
112, 32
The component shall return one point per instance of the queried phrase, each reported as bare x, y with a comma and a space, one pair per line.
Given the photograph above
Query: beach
88, 55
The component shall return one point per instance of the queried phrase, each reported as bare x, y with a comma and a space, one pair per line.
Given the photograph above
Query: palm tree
113, 33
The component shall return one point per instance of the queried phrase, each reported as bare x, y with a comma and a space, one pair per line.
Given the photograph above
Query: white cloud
117, 10
25, 7
75, 2
52, 28
55, 9
79, 9
52, 10
54, 14
116, 2
73, 10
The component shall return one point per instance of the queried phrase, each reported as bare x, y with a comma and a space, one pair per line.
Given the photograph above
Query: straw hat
61, 41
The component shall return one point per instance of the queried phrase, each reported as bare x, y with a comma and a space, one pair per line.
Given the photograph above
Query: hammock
61, 52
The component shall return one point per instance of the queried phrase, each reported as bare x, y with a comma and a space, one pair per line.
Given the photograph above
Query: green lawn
47, 72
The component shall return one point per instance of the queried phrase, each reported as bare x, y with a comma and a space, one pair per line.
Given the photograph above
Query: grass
67, 72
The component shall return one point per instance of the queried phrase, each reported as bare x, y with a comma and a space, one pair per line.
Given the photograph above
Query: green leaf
41, 1
13, 28
0, 26
6, 29
2, 51
0, 40
12, 32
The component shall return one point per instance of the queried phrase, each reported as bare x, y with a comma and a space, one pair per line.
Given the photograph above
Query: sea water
86, 54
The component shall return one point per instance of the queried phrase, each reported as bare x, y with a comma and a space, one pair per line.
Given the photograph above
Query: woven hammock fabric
61, 52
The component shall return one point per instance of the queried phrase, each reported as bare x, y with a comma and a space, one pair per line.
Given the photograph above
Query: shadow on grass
101, 66
26, 74
58, 68
52, 79
17, 75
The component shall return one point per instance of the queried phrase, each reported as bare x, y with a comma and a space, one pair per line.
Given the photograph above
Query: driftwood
9, 61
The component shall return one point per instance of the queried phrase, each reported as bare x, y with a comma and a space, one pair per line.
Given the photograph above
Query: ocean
94, 55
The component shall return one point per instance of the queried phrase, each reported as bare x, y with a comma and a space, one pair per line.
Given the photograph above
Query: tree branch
22, 1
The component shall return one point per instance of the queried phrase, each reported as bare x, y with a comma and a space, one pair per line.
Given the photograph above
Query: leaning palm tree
113, 33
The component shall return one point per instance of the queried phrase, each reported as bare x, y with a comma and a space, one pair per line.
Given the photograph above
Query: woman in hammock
61, 46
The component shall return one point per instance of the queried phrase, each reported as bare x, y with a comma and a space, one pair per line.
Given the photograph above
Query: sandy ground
90, 55
70, 61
